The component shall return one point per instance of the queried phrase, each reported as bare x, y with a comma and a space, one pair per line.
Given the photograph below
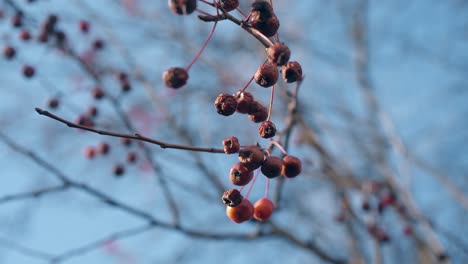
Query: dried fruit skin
278, 54
228, 5
271, 167
240, 174
291, 166
232, 197
175, 77
241, 213
225, 104
267, 129
231, 145
266, 75
251, 157
291, 71
257, 112
263, 209
244, 101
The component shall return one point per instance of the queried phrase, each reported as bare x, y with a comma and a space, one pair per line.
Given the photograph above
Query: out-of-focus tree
375, 118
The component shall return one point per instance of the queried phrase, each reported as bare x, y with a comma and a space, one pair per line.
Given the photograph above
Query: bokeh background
385, 94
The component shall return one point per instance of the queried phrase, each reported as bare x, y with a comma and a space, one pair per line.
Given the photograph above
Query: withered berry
84, 26
266, 75
98, 93
89, 152
271, 167
278, 54
261, 10
232, 197
53, 103
269, 27
228, 5
231, 145
263, 209
241, 213
9, 52
225, 104
244, 100
257, 112
240, 174
175, 77
251, 157
103, 148
267, 129
98, 44
291, 71
28, 71
291, 166
132, 157
25, 35
183, 7
17, 20
119, 170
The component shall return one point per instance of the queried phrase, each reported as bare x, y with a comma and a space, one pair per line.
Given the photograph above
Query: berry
268, 27
84, 26
28, 71
278, 54
132, 157
89, 152
9, 52
240, 175
119, 170
53, 103
244, 100
17, 20
126, 142
98, 93
271, 167
84, 120
232, 197
175, 77
25, 35
257, 112
125, 86
263, 209
251, 157
267, 129
241, 213
98, 44
92, 111
103, 148
228, 5
225, 104
231, 145
291, 71
291, 166
183, 7
261, 10
266, 75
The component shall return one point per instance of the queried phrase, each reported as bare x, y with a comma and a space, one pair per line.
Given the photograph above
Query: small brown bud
240, 175
271, 167
291, 166
183, 7
244, 100
251, 157
232, 197
279, 54
267, 129
266, 75
175, 77
291, 71
225, 104
231, 145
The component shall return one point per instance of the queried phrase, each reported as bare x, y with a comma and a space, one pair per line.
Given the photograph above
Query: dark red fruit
278, 54
17, 20
291, 166
232, 197
9, 52
244, 101
98, 93
103, 148
98, 44
251, 157
28, 71
272, 166
25, 35
119, 170
257, 112
132, 157
228, 5
89, 152
291, 71
175, 77
263, 209
231, 145
53, 103
266, 75
240, 175
225, 104
267, 129
241, 213
84, 26
183, 7
126, 142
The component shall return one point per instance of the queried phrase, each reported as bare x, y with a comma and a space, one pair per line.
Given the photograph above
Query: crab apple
263, 209
291, 166
240, 175
241, 213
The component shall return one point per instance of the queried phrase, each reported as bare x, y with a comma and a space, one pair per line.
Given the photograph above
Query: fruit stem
242, 13
273, 142
267, 188
251, 79
206, 41
252, 184
272, 96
